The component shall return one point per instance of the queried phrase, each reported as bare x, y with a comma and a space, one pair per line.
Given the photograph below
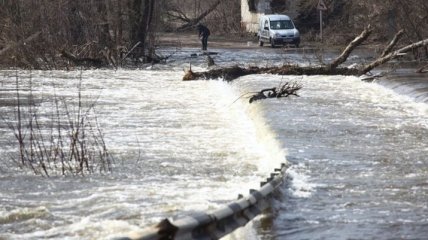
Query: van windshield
281, 24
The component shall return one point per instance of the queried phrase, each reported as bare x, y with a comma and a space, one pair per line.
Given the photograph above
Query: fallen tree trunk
391, 45
231, 73
351, 46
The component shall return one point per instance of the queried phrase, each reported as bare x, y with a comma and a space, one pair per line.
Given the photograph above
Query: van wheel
297, 45
261, 42
272, 44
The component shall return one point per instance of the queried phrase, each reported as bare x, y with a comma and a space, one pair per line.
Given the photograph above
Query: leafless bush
63, 140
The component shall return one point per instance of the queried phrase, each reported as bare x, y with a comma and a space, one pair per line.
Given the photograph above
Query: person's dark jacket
203, 31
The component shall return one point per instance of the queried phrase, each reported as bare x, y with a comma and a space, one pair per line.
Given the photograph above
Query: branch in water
283, 90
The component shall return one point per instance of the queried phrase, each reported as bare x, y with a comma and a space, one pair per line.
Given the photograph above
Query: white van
277, 29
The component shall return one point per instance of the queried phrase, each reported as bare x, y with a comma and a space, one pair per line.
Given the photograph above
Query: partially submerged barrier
219, 223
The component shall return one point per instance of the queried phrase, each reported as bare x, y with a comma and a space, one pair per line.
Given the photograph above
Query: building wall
250, 20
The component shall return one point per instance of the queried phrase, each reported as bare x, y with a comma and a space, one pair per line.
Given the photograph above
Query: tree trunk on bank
141, 16
103, 25
76, 24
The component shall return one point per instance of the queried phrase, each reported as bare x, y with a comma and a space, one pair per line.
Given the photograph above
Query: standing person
204, 32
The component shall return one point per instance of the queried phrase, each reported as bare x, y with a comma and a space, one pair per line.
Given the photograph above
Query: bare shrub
62, 140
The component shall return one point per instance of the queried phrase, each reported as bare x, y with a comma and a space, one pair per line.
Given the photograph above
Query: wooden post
321, 25
321, 7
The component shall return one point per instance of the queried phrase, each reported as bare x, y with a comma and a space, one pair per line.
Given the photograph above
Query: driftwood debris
423, 69
87, 62
231, 73
284, 90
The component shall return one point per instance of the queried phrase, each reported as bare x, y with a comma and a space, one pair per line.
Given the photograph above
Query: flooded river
356, 152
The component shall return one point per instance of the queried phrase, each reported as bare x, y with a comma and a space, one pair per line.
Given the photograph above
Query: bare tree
87, 29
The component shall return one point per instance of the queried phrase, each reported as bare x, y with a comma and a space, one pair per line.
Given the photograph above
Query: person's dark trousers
204, 42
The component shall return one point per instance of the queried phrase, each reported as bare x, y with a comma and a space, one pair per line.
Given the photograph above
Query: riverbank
241, 41
230, 41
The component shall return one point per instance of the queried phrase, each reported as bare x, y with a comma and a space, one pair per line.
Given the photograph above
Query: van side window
266, 24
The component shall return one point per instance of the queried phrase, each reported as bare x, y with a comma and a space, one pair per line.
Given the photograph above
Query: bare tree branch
393, 55
177, 14
423, 69
352, 45
392, 44
284, 90
196, 20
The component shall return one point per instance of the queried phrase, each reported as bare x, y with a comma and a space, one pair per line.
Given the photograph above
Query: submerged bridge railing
218, 223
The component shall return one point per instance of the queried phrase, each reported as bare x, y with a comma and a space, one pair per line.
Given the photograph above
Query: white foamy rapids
408, 83
357, 153
276, 148
298, 184
265, 142
180, 147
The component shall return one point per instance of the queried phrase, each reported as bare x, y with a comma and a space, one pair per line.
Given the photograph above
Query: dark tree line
44, 34
345, 18
99, 29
